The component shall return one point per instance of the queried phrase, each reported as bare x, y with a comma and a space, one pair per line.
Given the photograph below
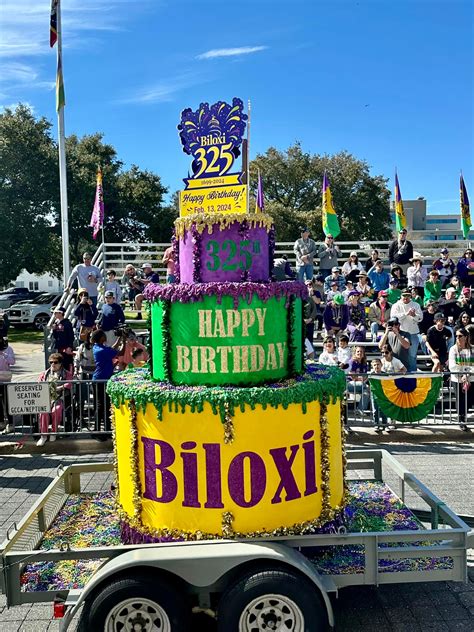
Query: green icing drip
323, 384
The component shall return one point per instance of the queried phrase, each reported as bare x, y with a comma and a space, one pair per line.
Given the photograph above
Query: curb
61, 446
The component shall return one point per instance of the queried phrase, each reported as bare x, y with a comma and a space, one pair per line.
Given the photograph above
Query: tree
30, 235
28, 194
293, 193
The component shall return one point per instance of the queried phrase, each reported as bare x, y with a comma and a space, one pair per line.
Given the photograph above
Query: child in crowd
344, 353
379, 418
112, 285
358, 369
329, 354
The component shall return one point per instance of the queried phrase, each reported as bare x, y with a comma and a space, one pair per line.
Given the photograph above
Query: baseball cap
335, 269
353, 254
466, 291
393, 281
402, 230
304, 229
439, 316
353, 293
444, 251
147, 265
334, 283
58, 309
393, 321
109, 293
383, 293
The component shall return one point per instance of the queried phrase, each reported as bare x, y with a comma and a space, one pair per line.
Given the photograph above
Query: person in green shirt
432, 287
394, 293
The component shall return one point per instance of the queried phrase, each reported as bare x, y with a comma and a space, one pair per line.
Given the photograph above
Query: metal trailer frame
207, 566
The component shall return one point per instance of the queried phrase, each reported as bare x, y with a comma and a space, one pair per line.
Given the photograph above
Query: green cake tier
226, 333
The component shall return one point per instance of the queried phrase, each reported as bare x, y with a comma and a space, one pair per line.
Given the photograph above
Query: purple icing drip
192, 293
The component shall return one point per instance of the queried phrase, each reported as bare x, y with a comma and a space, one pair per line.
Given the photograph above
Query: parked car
36, 311
13, 295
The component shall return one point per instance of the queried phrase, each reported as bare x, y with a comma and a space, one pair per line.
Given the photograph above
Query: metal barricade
78, 408
359, 408
82, 409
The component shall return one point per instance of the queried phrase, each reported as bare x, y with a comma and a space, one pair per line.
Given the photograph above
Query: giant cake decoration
226, 433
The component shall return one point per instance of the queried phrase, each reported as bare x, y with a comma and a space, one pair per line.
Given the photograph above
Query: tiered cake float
227, 434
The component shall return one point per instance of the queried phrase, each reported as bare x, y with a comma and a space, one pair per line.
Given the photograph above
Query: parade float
227, 433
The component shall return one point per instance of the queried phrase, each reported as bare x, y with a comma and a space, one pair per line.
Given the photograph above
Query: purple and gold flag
260, 202
465, 210
97, 219
53, 23
400, 217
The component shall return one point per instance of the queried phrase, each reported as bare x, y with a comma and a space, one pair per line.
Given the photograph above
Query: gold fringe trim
211, 221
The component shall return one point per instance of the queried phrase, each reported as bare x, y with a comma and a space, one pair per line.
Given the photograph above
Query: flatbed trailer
248, 584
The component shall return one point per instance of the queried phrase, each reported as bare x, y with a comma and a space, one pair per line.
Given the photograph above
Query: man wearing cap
410, 315
334, 277
378, 277
401, 250
63, 336
328, 254
111, 316
449, 305
437, 339
305, 251
466, 301
399, 343
394, 292
336, 316
148, 277
88, 277
445, 266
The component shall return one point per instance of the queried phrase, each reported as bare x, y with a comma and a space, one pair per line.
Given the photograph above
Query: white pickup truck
34, 312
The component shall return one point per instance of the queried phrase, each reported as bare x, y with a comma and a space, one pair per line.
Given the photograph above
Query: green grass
24, 335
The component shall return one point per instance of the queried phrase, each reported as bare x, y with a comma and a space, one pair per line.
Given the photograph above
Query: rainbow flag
97, 218
53, 23
407, 399
330, 221
465, 210
400, 218
60, 96
260, 202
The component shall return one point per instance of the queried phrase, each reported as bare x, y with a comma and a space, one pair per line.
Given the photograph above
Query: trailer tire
133, 600
272, 597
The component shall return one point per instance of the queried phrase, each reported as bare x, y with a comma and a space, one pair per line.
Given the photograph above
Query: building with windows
431, 227
38, 282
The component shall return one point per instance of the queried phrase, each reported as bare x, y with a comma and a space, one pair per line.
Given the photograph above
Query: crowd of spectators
403, 309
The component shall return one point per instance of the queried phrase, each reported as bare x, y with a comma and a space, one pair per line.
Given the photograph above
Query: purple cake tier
219, 250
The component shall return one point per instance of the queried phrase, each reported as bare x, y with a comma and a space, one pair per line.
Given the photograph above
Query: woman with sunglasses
461, 365
57, 377
465, 268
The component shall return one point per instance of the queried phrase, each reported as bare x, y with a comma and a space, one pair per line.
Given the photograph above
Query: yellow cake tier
266, 469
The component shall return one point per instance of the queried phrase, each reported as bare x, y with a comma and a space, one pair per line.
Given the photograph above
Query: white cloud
231, 52
164, 91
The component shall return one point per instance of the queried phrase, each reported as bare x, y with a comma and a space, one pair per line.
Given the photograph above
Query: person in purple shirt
104, 367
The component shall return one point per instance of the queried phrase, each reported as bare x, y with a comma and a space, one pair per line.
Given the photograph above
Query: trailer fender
202, 565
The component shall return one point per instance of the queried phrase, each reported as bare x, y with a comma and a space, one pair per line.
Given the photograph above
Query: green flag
330, 221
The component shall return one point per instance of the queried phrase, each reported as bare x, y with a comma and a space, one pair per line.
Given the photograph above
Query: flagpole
62, 164
248, 155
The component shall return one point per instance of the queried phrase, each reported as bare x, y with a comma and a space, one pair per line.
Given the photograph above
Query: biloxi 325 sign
212, 135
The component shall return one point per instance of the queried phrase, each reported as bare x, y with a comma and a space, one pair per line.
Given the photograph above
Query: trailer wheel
136, 604
272, 600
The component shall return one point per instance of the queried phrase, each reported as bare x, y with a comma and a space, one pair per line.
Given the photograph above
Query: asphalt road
446, 468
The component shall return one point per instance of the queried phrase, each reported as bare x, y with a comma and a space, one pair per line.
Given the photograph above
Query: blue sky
390, 82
